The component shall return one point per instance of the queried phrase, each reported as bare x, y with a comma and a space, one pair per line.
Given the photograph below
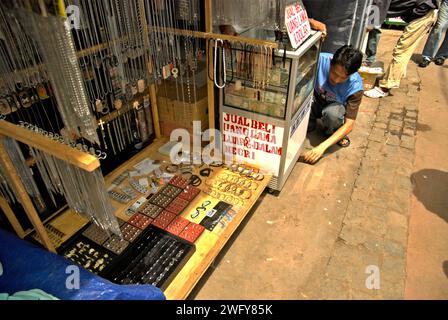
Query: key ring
255, 184
240, 169
248, 196
200, 209
172, 168
246, 172
257, 176
231, 178
239, 192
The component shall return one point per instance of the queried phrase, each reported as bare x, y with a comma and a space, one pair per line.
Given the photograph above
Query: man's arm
319, 26
353, 103
316, 153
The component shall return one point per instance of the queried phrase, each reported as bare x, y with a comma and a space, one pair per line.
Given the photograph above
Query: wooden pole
211, 35
155, 110
59, 150
152, 86
23, 196
209, 54
11, 218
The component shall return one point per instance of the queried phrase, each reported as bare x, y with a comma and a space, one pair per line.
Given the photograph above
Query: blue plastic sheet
26, 266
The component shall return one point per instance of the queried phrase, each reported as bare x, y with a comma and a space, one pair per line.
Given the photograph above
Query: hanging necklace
215, 63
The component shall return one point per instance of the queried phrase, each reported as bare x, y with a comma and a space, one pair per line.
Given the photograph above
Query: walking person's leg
431, 50
372, 45
442, 54
442, 21
405, 47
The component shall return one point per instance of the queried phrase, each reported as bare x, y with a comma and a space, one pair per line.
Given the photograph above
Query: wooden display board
208, 245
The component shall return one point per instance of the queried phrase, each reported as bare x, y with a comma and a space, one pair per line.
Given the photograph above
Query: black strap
195, 181
205, 172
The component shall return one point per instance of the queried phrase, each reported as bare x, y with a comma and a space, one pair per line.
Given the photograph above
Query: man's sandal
344, 142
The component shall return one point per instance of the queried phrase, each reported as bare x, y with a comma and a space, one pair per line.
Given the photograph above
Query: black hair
348, 57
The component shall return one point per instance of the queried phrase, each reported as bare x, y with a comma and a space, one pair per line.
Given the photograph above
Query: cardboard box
175, 114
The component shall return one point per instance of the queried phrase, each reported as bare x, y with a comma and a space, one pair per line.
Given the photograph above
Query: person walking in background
375, 30
432, 51
372, 46
420, 16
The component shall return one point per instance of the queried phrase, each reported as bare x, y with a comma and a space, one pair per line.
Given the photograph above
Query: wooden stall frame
23, 197
59, 150
11, 218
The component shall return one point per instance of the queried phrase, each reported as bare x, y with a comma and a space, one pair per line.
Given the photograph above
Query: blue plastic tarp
26, 266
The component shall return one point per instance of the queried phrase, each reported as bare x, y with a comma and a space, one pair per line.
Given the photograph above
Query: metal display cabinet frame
294, 122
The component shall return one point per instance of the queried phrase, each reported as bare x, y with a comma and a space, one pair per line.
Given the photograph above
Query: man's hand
314, 155
319, 26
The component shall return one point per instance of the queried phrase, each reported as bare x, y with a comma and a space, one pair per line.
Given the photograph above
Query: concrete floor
286, 247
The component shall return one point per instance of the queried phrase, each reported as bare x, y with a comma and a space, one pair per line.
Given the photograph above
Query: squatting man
338, 92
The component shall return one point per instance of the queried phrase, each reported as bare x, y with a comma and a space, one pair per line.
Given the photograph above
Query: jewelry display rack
61, 151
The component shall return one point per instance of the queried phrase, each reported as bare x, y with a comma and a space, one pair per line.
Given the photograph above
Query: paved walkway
335, 223
427, 254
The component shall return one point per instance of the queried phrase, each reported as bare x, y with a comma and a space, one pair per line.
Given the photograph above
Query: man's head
345, 62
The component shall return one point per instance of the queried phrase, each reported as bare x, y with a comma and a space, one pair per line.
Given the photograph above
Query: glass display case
243, 93
268, 116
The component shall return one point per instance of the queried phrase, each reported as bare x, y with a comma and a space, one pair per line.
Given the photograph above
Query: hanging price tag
297, 24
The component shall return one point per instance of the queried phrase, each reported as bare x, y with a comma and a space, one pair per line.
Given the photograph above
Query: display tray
88, 254
155, 259
112, 246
